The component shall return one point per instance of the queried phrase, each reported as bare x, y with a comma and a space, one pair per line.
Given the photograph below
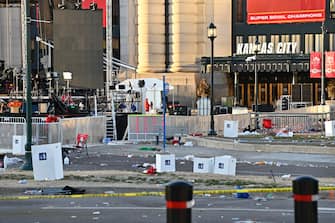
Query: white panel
47, 161
225, 165
165, 163
230, 129
330, 128
203, 165
19, 143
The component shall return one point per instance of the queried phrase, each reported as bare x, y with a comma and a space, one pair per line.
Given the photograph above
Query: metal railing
295, 122
42, 132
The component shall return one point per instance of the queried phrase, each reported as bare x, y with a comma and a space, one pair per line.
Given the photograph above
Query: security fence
42, 132
295, 122
64, 131
148, 127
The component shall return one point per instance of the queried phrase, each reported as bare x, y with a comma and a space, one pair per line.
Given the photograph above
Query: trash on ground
23, 181
66, 160
13, 160
67, 190
188, 143
284, 132
242, 195
247, 133
260, 163
189, 157
260, 199
196, 134
151, 170
286, 176
149, 149
33, 192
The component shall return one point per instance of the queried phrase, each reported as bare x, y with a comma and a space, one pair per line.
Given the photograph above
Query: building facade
169, 37
283, 53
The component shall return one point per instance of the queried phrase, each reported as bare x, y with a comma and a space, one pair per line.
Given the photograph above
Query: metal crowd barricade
144, 127
42, 132
45, 133
10, 126
148, 127
295, 122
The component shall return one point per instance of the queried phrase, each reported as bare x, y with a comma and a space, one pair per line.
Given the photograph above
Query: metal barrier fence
148, 127
295, 122
65, 131
94, 126
42, 132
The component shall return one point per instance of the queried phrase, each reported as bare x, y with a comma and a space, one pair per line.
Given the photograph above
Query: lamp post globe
212, 35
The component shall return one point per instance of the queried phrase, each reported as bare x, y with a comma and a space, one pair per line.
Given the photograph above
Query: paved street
208, 209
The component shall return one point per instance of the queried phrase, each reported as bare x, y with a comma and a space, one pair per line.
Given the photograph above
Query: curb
234, 144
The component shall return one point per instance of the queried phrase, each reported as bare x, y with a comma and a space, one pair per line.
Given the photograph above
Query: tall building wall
188, 42
151, 36
183, 33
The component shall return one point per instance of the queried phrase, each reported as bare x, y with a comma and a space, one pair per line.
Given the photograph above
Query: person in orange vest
146, 105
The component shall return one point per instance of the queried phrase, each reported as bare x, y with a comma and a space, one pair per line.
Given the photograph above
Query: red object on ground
267, 123
82, 139
151, 170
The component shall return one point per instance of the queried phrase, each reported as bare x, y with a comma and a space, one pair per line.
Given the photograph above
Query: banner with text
285, 11
330, 64
315, 65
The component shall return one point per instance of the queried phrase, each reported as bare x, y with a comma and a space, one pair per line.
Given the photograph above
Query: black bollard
179, 202
157, 140
305, 195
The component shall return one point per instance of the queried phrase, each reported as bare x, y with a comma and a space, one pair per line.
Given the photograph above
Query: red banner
315, 65
101, 5
285, 11
330, 64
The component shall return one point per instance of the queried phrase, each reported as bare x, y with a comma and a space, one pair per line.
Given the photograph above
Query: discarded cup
23, 181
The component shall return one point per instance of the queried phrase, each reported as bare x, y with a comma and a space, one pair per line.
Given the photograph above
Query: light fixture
211, 31
67, 75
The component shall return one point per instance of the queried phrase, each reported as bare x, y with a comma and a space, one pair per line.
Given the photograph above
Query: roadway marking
142, 194
322, 210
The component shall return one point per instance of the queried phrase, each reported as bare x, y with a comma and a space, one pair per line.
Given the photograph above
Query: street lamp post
323, 98
28, 158
212, 35
256, 83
